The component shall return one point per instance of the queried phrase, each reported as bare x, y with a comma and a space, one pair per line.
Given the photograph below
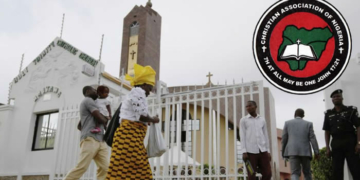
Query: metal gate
200, 130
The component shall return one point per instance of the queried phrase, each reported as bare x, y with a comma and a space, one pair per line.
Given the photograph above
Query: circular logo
302, 46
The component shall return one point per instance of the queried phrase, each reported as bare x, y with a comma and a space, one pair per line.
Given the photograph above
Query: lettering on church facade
21, 75
88, 59
48, 89
43, 54
74, 51
133, 44
50, 47
67, 46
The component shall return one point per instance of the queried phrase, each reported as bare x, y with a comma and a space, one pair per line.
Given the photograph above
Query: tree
322, 169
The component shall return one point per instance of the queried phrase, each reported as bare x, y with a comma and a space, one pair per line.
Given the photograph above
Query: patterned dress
129, 160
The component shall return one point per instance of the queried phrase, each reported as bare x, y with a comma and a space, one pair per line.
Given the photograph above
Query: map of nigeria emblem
302, 46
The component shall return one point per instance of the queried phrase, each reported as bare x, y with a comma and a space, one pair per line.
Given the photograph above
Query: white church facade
47, 89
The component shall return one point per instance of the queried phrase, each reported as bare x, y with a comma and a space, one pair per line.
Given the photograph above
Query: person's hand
317, 157
79, 126
156, 119
269, 156
328, 152
357, 149
245, 156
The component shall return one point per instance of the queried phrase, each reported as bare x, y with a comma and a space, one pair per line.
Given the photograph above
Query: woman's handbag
111, 129
156, 144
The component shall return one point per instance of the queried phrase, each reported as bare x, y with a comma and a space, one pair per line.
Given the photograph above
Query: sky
197, 37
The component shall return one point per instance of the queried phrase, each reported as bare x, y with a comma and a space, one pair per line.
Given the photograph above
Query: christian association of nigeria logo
302, 46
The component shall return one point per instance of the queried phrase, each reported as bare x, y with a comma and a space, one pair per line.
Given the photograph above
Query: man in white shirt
255, 142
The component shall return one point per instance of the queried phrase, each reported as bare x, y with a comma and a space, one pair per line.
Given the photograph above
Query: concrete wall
5, 125
271, 123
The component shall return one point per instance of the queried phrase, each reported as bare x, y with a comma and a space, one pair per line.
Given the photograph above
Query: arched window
134, 28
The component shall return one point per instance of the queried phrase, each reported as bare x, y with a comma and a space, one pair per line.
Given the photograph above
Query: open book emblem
301, 45
298, 51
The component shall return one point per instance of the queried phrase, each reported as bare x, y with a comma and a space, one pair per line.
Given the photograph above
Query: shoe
95, 130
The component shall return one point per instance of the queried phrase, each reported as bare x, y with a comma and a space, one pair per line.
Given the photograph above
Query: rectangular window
45, 131
191, 125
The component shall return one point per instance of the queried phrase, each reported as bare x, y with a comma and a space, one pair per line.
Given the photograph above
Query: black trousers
345, 149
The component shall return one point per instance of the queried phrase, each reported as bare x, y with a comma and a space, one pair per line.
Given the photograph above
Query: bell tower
141, 39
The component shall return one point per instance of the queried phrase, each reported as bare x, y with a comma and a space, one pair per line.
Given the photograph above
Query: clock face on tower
133, 47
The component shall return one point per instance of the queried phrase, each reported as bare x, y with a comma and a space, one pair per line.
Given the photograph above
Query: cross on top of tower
209, 76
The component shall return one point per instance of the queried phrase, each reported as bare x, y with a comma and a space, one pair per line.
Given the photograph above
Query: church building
38, 126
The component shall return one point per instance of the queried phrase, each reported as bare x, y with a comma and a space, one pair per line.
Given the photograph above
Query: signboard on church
88, 70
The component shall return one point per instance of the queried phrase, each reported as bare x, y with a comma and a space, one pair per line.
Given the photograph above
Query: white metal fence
213, 146
209, 149
67, 145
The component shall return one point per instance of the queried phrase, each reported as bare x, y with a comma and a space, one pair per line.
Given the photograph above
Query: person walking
92, 146
255, 142
298, 134
129, 158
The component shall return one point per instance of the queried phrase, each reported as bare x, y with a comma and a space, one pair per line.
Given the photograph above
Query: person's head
103, 91
144, 77
251, 107
90, 92
299, 113
337, 97
146, 87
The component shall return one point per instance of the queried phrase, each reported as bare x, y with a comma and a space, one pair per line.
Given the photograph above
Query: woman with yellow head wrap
143, 77
129, 158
